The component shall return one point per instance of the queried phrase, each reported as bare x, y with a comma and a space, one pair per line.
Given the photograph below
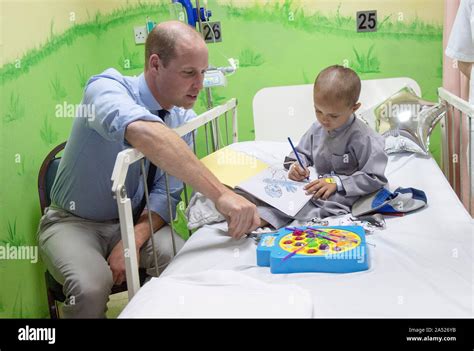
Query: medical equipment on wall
192, 13
215, 76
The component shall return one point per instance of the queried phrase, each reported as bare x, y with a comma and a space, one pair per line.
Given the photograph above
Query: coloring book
273, 187
268, 183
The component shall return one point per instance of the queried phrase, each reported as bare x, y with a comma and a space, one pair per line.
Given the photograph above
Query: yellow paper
233, 167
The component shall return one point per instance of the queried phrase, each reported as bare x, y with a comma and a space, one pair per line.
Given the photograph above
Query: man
79, 235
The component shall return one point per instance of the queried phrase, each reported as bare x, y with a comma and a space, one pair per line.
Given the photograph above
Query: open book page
233, 167
273, 187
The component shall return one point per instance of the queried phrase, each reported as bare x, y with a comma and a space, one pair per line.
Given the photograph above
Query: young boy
348, 156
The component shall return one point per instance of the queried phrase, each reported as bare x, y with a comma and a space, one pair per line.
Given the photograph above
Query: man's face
179, 83
332, 113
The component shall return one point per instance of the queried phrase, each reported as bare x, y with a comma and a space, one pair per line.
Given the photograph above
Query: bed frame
209, 121
457, 150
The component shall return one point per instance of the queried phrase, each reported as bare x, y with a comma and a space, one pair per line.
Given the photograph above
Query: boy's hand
297, 173
321, 188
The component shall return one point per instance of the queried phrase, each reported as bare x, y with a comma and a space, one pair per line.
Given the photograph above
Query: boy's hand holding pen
297, 171
319, 188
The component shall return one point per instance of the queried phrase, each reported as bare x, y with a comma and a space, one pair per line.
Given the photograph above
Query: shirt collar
146, 96
346, 125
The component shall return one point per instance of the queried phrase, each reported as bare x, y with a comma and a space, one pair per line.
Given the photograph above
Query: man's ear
356, 107
154, 62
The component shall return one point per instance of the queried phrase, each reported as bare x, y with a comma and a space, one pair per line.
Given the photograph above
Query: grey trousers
75, 251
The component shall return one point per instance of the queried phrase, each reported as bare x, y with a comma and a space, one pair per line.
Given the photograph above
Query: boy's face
332, 113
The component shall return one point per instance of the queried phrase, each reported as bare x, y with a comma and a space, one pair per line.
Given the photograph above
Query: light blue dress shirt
83, 185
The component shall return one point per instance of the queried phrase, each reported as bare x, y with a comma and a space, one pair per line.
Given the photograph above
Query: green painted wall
276, 45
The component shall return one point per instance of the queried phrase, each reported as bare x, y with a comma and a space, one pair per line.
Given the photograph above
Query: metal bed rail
209, 120
457, 149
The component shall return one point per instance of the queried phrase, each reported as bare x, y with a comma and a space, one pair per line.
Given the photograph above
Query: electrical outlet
140, 34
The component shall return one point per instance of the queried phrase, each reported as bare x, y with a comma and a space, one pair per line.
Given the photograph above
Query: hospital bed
421, 265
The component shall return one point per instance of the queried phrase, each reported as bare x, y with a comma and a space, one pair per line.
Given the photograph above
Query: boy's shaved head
340, 83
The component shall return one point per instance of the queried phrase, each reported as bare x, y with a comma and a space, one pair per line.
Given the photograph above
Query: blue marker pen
297, 156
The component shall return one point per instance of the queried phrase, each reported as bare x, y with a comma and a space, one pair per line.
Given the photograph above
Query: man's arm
465, 68
168, 151
116, 259
142, 228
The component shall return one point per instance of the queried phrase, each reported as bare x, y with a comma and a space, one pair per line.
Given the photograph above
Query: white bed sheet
421, 265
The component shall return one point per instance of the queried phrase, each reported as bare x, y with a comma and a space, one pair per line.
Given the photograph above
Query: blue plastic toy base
340, 249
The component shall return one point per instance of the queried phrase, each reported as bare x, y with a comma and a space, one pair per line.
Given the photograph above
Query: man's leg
164, 250
74, 252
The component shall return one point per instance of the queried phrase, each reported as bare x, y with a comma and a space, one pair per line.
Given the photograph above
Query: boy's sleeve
304, 149
372, 161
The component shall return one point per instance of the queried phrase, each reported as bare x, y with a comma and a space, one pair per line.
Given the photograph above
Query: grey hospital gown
354, 152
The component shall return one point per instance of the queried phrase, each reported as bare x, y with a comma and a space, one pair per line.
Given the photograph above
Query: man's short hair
163, 39
339, 82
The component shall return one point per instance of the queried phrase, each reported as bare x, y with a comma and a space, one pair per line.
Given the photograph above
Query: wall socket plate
140, 34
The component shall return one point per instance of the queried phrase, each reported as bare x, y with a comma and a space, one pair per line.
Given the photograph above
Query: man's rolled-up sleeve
114, 109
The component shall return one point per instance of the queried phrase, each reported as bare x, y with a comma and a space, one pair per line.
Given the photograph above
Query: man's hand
116, 261
241, 215
320, 188
297, 173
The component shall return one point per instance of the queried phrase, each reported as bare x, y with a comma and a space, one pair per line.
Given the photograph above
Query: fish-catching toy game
340, 249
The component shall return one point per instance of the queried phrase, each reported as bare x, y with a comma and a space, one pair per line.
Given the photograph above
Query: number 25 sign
367, 21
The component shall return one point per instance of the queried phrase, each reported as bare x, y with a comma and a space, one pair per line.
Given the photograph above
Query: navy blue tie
163, 114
